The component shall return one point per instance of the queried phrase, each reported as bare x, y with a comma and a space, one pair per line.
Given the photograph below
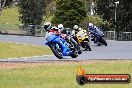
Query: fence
120, 36
109, 35
33, 30
39, 31
22, 30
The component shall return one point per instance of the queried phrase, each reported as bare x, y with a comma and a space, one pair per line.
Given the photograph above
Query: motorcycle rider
47, 26
91, 28
94, 31
66, 34
80, 30
51, 29
74, 32
77, 30
60, 26
81, 33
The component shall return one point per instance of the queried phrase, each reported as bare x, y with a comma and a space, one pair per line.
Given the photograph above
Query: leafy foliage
106, 10
96, 20
69, 12
125, 15
32, 11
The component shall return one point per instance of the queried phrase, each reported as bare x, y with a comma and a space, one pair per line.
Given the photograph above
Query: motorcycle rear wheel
56, 52
103, 41
74, 53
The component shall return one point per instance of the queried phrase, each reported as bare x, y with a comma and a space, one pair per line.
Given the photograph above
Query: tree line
106, 10
72, 12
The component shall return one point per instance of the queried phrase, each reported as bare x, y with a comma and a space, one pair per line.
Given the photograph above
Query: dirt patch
26, 65
18, 65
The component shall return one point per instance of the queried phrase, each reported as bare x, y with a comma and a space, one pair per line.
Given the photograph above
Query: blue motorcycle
97, 36
60, 47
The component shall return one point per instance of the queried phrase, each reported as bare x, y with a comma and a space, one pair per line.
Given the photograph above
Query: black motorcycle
70, 39
97, 36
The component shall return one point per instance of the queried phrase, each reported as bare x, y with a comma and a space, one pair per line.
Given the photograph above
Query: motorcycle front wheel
87, 46
57, 51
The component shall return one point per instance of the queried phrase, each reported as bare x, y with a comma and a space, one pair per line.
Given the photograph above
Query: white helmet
47, 25
90, 24
60, 26
75, 27
79, 29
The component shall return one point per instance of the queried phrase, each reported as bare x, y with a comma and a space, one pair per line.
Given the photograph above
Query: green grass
62, 75
13, 50
9, 18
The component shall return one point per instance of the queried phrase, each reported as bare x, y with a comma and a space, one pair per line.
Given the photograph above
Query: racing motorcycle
83, 39
97, 36
60, 47
70, 39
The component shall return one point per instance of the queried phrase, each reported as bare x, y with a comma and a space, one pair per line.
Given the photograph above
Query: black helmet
47, 26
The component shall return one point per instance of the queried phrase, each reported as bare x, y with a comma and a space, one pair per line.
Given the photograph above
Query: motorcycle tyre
77, 46
60, 56
74, 53
103, 41
87, 46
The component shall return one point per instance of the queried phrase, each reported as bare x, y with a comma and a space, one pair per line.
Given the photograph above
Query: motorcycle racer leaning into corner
66, 34
82, 37
94, 30
77, 29
60, 30
51, 29
96, 35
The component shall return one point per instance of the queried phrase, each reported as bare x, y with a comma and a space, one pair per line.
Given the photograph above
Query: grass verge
9, 18
59, 75
13, 50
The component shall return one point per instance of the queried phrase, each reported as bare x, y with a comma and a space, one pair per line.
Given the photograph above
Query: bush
96, 20
32, 11
69, 12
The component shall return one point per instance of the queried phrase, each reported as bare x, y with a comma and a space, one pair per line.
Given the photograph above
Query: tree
5, 3
106, 10
32, 11
70, 12
124, 15
2, 4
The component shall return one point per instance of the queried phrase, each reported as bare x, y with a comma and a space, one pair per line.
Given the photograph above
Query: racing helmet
90, 25
60, 26
75, 27
79, 29
55, 28
47, 26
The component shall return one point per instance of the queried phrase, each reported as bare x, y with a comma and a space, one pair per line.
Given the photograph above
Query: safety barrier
36, 30
120, 36
109, 35
20, 29
124, 36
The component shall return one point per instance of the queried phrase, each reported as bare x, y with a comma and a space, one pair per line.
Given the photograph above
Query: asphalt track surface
114, 51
